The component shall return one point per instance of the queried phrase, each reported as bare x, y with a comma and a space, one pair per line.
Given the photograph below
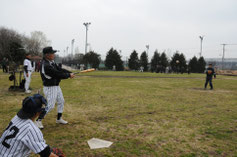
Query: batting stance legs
53, 94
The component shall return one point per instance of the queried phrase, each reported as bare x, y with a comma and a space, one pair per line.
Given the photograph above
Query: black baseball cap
49, 49
31, 105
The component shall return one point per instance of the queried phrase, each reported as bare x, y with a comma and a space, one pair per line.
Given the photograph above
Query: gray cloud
129, 24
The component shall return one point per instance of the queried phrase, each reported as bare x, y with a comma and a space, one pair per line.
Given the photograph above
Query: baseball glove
57, 152
209, 72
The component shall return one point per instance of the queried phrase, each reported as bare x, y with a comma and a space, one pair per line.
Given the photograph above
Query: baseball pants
208, 80
54, 94
28, 79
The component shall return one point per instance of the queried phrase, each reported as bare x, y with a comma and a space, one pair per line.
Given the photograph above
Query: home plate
96, 143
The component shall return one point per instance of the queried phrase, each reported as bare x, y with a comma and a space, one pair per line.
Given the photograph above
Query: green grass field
165, 116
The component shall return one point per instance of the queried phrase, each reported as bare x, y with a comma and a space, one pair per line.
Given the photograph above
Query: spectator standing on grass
38, 66
209, 72
4, 65
82, 67
7, 64
28, 70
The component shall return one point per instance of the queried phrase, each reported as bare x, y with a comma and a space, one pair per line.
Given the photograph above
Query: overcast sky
129, 24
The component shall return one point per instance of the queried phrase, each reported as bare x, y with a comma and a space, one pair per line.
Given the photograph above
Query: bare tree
36, 42
8, 39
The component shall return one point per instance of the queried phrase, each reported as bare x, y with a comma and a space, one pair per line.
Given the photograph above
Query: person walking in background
38, 66
210, 72
28, 69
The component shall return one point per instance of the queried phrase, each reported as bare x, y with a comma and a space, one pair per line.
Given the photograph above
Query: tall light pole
147, 51
67, 49
86, 24
73, 40
201, 38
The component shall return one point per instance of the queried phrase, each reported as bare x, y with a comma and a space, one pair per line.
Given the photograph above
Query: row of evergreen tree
159, 62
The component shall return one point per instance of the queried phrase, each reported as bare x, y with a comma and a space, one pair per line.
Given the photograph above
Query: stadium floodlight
201, 38
86, 24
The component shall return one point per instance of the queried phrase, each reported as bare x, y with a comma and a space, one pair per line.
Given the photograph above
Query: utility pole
67, 50
223, 56
201, 37
86, 24
73, 40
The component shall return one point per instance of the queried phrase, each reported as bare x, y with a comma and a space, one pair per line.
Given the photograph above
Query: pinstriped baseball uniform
20, 138
51, 75
54, 94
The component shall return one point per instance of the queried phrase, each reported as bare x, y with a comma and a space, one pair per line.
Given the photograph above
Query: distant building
228, 63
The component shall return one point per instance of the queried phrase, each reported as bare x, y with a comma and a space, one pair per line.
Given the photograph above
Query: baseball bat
85, 71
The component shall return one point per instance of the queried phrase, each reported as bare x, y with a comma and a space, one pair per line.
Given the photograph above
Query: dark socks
59, 116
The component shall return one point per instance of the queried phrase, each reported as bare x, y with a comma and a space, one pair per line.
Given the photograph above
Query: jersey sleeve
35, 141
25, 63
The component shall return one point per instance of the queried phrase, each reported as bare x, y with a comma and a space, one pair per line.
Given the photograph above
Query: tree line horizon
159, 62
14, 46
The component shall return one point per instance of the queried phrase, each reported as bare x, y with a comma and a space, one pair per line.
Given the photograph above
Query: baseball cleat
28, 91
61, 121
39, 124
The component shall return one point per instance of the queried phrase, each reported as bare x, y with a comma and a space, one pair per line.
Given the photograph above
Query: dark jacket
210, 72
52, 74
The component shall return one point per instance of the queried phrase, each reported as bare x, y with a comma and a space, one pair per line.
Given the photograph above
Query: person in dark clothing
52, 75
4, 65
209, 72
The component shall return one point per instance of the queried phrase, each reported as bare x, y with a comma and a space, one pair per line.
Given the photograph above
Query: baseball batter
22, 136
51, 75
28, 69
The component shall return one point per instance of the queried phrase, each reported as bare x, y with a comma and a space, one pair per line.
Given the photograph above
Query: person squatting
22, 136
